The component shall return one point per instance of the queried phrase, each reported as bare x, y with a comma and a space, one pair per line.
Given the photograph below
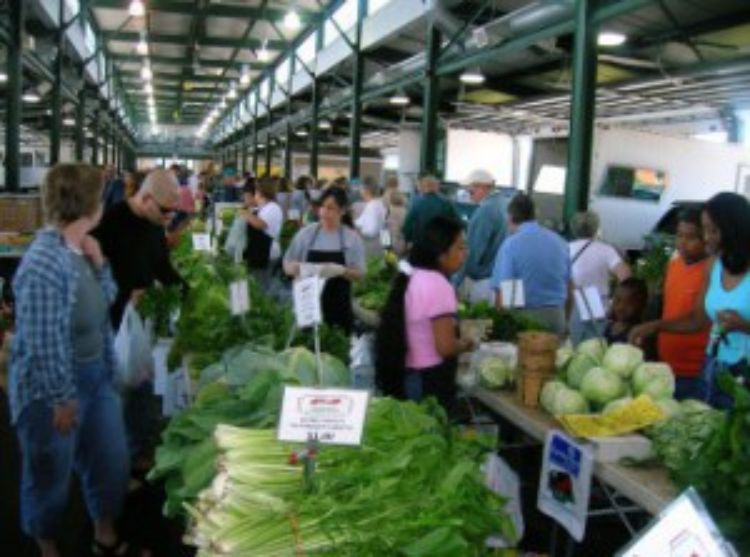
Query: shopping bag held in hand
135, 362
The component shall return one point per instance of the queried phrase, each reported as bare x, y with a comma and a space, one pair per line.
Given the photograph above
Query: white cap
480, 176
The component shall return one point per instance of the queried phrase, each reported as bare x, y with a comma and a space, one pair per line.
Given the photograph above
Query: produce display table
650, 489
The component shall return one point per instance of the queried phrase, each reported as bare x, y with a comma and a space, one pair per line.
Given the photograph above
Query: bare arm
447, 343
622, 271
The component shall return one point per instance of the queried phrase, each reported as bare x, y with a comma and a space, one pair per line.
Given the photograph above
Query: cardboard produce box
20, 213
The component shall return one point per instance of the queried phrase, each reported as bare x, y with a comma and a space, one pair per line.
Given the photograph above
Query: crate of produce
530, 385
20, 213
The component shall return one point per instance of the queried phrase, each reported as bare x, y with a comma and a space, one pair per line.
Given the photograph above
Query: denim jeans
709, 378
95, 449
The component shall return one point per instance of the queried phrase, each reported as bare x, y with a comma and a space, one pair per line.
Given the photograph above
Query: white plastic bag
236, 240
135, 360
362, 362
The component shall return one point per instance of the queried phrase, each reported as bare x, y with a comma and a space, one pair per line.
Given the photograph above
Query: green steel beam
269, 148
55, 130
431, 100
182, 61
256, 153
184, 40
129, 76
95, 147
314, 128
13, 97
80, 133
355, 129
215, 10
583, 108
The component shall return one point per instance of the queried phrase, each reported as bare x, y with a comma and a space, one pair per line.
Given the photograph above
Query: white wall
469, 150
695, 171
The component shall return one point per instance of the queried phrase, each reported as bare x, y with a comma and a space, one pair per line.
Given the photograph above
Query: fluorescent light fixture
472, 76
137, 9
263, 54
142, 47
399, 99
148, 88
3, 77
68, 122
610, 38
301, 133
325, 125
245, 77
146, 72
31, 97
223, 103
232, 92
292, 21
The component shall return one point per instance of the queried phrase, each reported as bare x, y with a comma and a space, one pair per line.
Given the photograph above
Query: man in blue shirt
426, 207
540, 259
485, 233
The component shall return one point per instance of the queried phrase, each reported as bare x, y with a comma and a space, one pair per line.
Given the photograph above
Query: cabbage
616, 405
563, 356
693, 406
301, 365
547, 396
594, 347
654, 379
579, 365
568, 401
601, 386
670, 407
496, 373
623, 359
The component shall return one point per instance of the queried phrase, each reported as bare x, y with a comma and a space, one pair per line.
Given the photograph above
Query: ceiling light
31, 97
301, 133
245, 77
68, 122
146, 72
232, 92
291, 20
142, 47
325, 125
611, 38
223, 103
3, 77
137, 9
399, 99
148, 88
472, 77
263, 54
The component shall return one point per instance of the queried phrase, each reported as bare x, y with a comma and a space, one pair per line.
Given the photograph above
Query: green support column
81, 122
113, 139
314, 129
13, 98
95, 145
105, 147
288, 151
256, 152
355, 129
244, 149
583, 110
55, 129
269, 148
430, 101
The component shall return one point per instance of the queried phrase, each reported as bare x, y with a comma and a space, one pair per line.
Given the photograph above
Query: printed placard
385, 238
684, 528
201, 242
330, 416
512, 293
589, 303
293, 214
306, 294
503, 480
565, 483
239, 297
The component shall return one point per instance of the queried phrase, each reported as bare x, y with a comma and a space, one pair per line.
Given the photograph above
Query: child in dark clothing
628, 307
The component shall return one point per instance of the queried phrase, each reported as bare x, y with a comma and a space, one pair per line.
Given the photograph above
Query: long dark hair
390, 337
730, 213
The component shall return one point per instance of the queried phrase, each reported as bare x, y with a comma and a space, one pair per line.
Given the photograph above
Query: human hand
466, 344
331, 270
307, 270
639, 333
93, 251
64, 416
729, 320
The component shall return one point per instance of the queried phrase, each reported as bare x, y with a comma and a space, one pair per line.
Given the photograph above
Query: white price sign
306, 293
565, 483
331, 416
293, 214
385, 238
239, 297
512, 294
201, 242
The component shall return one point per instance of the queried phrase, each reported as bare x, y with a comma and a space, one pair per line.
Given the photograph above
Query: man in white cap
485, 234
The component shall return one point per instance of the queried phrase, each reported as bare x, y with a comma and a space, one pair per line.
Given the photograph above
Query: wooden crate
20, 213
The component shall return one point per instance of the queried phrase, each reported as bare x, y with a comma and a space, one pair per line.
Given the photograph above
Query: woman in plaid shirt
66, 411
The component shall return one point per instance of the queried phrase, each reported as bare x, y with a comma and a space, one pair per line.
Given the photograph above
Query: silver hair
585, 224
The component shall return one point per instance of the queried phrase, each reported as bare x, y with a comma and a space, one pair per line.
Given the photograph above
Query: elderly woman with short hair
594, 263
63, 402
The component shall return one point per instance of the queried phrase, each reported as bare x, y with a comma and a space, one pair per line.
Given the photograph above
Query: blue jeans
95, 449
713, 393
690, 388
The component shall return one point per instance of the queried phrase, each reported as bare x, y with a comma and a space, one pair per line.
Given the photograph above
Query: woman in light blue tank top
725, 304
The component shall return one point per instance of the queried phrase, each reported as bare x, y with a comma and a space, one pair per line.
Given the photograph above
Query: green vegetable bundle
414, 488
159, 304
506, 325
372, 291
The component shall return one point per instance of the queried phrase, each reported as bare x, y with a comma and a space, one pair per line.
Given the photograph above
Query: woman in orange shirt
686, 277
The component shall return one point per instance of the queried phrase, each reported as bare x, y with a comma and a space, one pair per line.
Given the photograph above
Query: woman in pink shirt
417, 343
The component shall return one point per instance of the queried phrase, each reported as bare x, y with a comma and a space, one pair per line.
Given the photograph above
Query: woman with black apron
263, 230
332, 251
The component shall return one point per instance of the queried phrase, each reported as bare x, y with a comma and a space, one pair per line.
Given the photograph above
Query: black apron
336, 299
258, 250
440, 382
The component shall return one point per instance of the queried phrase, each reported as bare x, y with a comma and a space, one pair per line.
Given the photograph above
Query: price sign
293, 214
503, 480
332, 416
239, 297
385, 238
201, 242
565, 482
589, 303
306, 294
512, 294
684, 528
